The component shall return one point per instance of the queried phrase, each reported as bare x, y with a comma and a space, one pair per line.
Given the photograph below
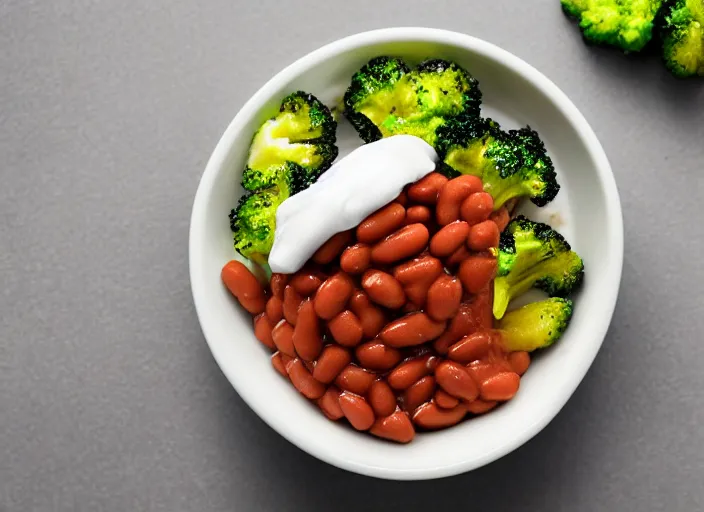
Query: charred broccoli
511, 164
296, 145
625, 24
372, 90
253, 222
387, 98
533, 255
535, 325
682, 33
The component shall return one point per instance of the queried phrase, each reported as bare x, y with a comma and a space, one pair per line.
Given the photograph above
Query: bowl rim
502, 57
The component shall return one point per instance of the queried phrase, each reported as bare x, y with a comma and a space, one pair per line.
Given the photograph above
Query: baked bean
483, 370
371, 317
244, 286
500, 359
409, 372
477, 207
483, 236
395, 427
470, 348
274, 309
357, 411
332, 296
451, 196
424, 269
354, 379
381, 223
383, 289
377, 356
278, 364
292, 301
262, 330
419, 393
455, 380
449, 239
332, 248
411, 330
501, 217
480, 406
418, 213
329, 403
425, 190
404, 243
303, 381
402, 198
481, 307
382, 398
331, 362
417, 275
417, 295
282, 335
430, 416
445, 400
306, 335
462, 324
278, 283
519, 361
476, 272
496, 354
305, 283
444, 297
356, 258
457, 257
359, 301
500, 387
346, 329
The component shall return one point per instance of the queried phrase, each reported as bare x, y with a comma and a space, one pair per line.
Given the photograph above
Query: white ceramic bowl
587, 211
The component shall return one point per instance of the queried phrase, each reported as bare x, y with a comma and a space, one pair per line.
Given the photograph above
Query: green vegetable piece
682, 33
511, 164
253, 222
386, 98
533, 255
295, 146
371, 95
625, 24
536, 325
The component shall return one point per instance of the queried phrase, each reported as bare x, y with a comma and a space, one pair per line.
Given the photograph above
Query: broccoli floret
511, 164
296, 145
253, 222
370, 93
625, 24
443, 89
535, 325
386, 98
533, 255
682, 33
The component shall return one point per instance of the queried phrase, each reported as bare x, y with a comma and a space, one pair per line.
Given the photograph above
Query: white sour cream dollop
357, 185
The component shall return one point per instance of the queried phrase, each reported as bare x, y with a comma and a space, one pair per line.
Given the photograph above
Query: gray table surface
109, 397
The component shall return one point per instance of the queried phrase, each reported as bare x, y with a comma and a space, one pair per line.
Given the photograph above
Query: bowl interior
586, 212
